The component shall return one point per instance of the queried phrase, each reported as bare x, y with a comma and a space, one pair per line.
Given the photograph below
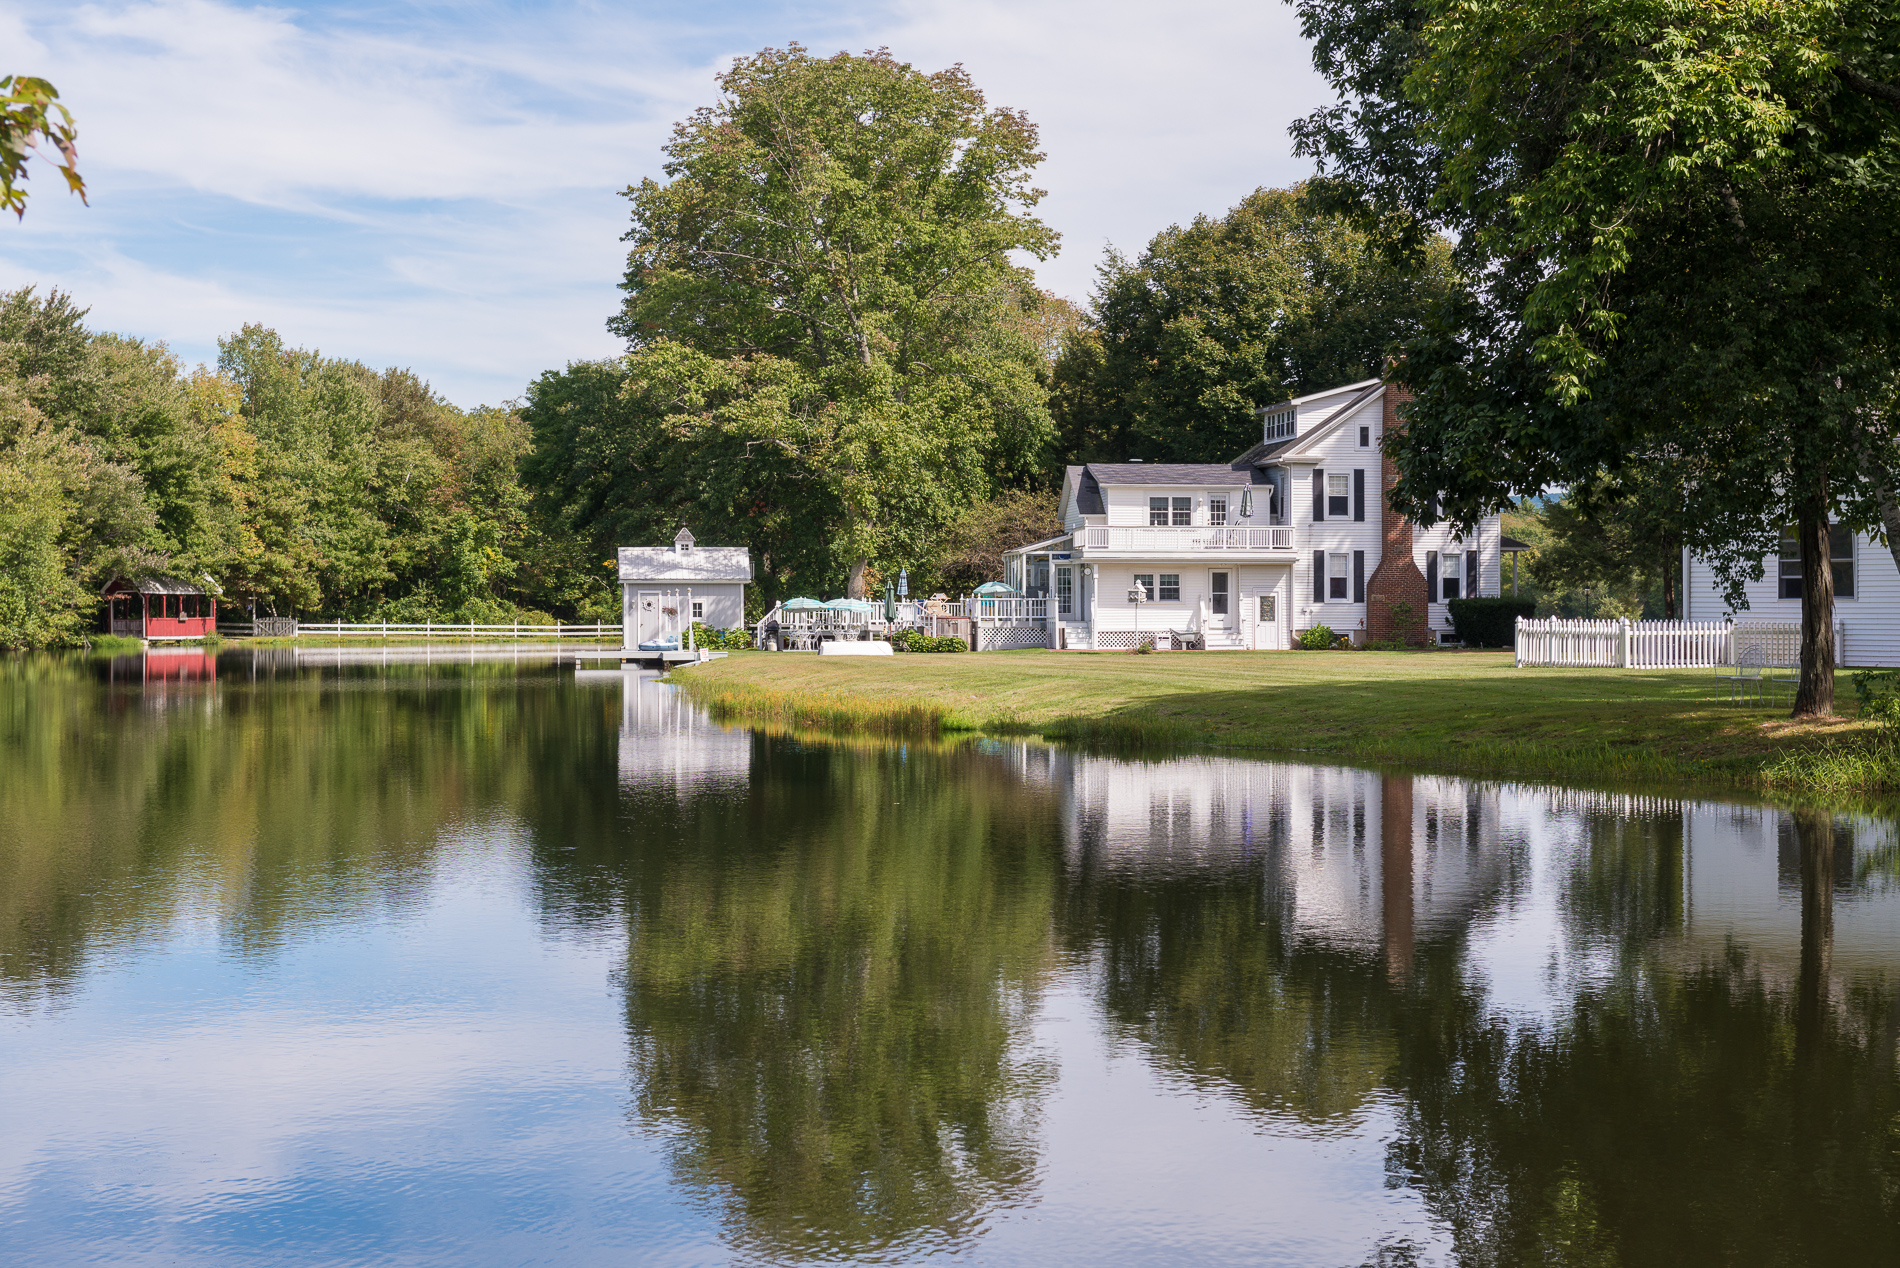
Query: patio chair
1751, 673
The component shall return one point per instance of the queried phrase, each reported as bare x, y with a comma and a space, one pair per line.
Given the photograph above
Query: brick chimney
1397, 579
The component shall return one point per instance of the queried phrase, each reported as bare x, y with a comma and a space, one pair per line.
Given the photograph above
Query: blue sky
437, 185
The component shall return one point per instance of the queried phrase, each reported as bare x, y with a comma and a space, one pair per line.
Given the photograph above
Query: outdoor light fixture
1246, 504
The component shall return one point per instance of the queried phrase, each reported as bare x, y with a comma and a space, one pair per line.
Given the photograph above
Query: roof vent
1134, 460
683, 540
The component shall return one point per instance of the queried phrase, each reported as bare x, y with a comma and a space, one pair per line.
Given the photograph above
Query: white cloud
435, 187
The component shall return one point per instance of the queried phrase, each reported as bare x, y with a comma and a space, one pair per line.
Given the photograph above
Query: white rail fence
281, 628
1661, 644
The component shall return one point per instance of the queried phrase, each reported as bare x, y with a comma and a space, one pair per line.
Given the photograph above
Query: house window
1841, 549
1170, 587
1157, 511
1365, 437
699, 610
1217, 599
1145, 582
1216, 510
1338, 494
1338, 570
1448, 574
1065, 591
1184, 511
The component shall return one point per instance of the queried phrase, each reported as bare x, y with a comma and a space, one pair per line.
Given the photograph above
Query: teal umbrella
995, 589
798, 604
848, 605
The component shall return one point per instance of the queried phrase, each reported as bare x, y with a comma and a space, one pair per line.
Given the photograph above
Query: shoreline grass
1472, 714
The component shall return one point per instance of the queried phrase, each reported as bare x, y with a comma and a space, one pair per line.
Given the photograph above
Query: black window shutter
1319, 495
1431, 507
1431, 576
1319, 576
1358, 576
1359, 494
1471, 574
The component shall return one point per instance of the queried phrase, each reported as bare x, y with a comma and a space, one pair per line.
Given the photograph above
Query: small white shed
706, 583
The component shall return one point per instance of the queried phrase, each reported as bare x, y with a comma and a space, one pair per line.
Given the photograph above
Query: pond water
344, 958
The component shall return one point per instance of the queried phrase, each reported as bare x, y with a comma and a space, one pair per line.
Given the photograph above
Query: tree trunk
854, 587
1815, 699
1671, 568
1814, 831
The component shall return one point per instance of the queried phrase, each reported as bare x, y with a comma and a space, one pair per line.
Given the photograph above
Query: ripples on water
337, 959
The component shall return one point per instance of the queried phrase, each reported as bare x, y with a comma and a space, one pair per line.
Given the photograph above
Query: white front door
1220, 601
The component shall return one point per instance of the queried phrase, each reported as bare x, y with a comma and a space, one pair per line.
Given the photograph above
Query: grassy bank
1466, 712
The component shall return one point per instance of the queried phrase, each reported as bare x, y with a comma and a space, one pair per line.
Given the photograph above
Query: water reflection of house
1362, 860
666, 742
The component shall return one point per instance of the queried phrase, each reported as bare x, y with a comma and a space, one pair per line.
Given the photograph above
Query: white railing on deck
1001, 610
1661, 644
1186, 539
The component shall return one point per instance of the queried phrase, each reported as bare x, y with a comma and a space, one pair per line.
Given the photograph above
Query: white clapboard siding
1660, 644
1869, 621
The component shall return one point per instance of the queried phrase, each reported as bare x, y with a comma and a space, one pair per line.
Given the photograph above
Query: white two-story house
1250, 553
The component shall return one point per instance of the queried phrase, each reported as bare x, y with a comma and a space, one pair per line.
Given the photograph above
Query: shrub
1318, 638
712, 640
1489, 622
915, 641
1879, 696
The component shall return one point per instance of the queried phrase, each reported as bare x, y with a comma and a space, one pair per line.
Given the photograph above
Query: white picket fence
425, 630
1661, 644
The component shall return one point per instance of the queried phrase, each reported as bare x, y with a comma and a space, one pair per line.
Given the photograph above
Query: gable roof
151, 585
701, 563
1326, 426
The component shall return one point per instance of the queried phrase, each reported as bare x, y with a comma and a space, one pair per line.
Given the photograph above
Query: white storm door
1221, 598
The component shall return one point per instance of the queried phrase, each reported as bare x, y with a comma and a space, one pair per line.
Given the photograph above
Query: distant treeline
282, 480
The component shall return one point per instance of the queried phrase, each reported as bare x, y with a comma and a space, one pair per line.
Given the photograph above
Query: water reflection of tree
269, 807
1670, 1117
828, 982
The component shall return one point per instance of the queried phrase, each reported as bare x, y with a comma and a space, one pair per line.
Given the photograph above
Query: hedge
1489, 622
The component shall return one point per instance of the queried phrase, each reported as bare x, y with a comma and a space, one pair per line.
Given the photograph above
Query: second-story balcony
1156, 540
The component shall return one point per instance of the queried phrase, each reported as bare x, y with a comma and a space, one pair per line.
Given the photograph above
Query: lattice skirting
1125, 640
1003, 638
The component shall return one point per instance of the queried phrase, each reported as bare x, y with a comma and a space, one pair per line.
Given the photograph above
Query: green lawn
1467, 711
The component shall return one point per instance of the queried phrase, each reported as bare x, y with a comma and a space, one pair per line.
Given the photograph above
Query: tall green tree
830, 255
1279, 297
1621, 534
1683, 224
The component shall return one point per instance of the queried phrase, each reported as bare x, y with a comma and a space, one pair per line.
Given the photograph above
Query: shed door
649, 622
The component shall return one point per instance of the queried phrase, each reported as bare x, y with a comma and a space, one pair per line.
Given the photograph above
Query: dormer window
683, 542
1279, 425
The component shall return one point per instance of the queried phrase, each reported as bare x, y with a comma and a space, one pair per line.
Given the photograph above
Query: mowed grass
1471, 712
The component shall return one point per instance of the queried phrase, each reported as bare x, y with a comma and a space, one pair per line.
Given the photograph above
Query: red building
159, 607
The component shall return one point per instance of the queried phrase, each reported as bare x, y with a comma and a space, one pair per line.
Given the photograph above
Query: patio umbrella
995, 589
849, 605
794, 605
890, 603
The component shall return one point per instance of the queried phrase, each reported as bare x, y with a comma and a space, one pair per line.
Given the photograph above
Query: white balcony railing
1186, 539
